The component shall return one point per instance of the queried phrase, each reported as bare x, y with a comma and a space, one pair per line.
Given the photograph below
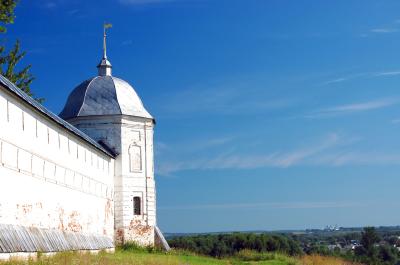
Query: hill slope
173, 258
139, 258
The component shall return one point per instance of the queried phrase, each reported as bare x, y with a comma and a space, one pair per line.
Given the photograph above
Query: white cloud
384, 30
195, 145
144, 2
362, 75
267, 205
363, 106
73, 12
389, 73
346, 78
352, 108
50, 4
331, 151
337, 80
227, 100
358, 158
126, 43
230, 160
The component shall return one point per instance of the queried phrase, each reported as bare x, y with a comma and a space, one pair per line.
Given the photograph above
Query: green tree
8, 63
367, 252
388, 254
369, 237
6, 13
9, 60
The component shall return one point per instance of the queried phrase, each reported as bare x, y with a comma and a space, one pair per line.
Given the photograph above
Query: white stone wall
137, 132
132, 138
49, 177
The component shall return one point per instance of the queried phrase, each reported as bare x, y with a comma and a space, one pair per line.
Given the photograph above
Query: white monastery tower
83, 180
109, 110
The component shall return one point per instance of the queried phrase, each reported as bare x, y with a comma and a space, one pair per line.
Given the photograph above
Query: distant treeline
222, 245
369, 246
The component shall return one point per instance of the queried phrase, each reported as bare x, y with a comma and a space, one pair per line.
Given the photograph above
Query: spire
104, 43
105, 66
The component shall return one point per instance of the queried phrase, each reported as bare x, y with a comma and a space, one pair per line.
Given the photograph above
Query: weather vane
105, 27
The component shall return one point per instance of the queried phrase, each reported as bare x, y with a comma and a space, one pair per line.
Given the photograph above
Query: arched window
137, 205
135, 157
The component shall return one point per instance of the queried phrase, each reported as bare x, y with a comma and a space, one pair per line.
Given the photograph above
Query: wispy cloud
73, 12
332, 151
358, 158
352, 108
195, 145
388, 73
127, 43
231, 160
144, 2
337, 80
228, 100
345, 78
210, 143
384, 30
50, 4
267, 205
391, 27
362, 75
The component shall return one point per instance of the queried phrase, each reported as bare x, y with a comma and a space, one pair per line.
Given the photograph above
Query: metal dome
103, 95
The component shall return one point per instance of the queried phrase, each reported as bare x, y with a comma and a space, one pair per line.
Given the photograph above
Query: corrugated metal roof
15, 238
15, 90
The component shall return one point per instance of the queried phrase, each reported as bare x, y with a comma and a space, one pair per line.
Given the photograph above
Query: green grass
142, 257
130, 254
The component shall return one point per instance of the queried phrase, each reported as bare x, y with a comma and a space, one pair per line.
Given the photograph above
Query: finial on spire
105, 27
105, 65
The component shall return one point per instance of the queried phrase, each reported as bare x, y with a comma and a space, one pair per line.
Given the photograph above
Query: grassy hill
174, 258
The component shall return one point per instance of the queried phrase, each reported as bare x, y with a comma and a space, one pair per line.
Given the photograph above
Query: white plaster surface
120, 133
49, 178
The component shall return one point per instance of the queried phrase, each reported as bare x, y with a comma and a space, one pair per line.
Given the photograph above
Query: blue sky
270, 114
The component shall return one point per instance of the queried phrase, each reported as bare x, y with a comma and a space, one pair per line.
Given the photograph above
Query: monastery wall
49, 177
132, 138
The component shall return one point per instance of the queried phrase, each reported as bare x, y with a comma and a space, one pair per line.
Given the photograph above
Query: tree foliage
369, 246
6, 13
369, 237
8, 63
10, 59
223, 245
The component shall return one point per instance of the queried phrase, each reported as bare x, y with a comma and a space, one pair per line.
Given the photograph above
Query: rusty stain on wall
109, 211
119, 236
73, 224
26, 208
61, 219
138, 228
137, 231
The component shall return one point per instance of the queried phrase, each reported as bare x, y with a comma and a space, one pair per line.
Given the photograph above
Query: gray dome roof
103, 95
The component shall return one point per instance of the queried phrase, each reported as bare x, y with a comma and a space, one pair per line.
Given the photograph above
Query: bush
134, 247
